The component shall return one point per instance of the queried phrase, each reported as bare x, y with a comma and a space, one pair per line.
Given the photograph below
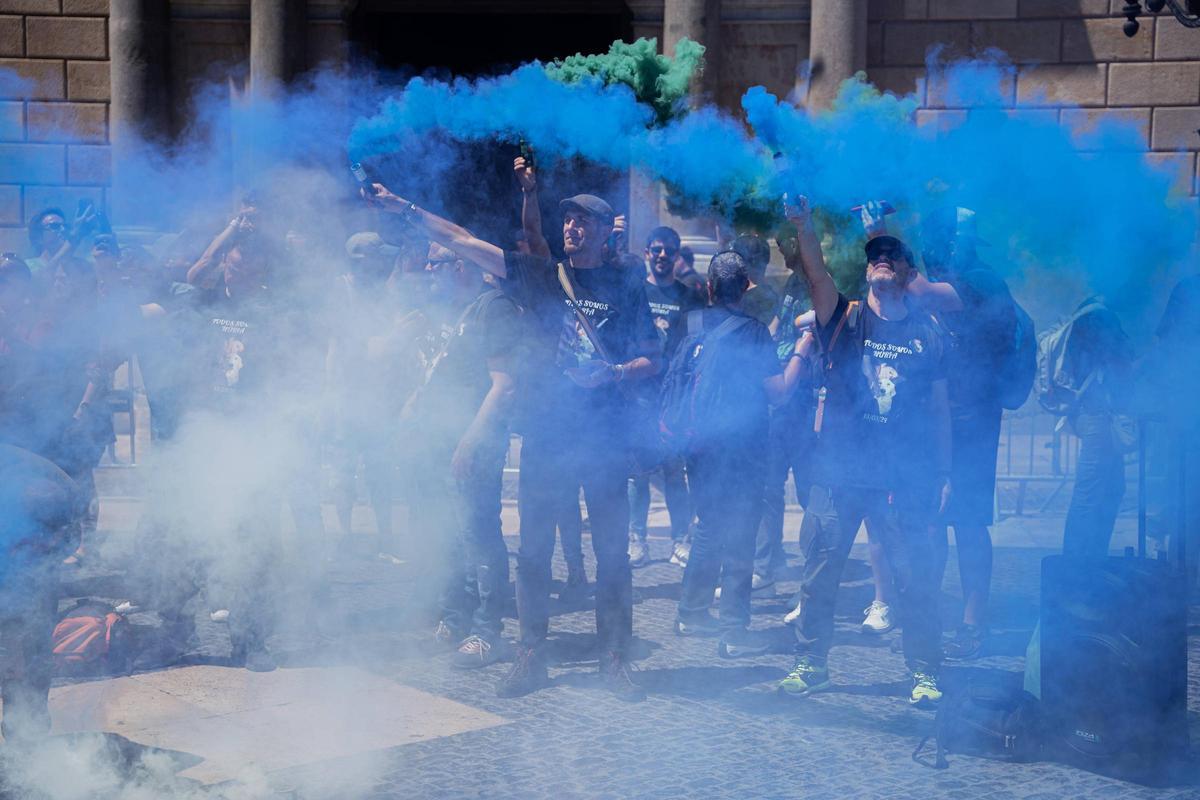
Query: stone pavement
710, 728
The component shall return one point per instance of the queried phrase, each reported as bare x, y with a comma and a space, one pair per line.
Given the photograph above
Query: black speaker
1114, 665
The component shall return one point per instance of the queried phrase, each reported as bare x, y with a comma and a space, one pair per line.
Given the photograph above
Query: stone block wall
54, 123
1070, 53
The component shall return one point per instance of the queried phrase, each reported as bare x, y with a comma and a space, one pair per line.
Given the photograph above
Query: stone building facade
99, 69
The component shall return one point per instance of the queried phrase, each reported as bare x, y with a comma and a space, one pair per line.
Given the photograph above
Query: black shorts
976, 440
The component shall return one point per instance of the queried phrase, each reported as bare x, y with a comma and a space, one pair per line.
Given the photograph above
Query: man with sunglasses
592, 331
882, 455
669, 301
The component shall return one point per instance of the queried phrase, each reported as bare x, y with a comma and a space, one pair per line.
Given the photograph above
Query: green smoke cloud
656, 80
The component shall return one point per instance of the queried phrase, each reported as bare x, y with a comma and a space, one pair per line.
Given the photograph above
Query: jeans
902, 522
1099, 487
478, 592
791, 442
727, 488
675, 490
554, 464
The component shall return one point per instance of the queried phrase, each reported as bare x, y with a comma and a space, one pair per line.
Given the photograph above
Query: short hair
728, 278
35, 225
753, 249
688, 255
666, 235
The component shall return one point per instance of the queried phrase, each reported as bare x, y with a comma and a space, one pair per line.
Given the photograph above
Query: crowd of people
618, 369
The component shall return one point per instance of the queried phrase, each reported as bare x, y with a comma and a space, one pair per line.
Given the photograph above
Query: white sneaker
639, 553
221, 615
793, 616
878, 618
680, 553
759, 587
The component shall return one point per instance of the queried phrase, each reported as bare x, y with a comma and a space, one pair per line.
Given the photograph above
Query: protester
462, 411
685, 271
593, 334
1099, 362
974, 306
669, 301
883, 455
735, 359
761, 300
37, 506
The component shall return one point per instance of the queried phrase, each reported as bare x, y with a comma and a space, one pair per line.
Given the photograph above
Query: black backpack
697, 403
988, 719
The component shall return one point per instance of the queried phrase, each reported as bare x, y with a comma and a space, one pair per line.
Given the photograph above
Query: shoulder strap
695, 322
565, 281
727, 326
849, 317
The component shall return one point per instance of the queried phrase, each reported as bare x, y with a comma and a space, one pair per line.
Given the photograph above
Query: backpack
91, 636
1016, 375
1057, 389
849, 321
986, 719
695, 396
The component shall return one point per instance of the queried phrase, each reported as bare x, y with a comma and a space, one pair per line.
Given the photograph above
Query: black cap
591, 205
876, 242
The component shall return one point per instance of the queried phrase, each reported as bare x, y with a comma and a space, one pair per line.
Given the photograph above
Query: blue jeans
1099, 487
675, 490
791, 442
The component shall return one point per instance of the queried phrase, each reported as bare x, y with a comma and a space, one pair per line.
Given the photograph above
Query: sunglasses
660, 249
54, 226
891, 252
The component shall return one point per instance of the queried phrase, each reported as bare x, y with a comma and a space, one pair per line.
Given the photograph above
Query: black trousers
789, 450
902, 521
727, 488
553, 467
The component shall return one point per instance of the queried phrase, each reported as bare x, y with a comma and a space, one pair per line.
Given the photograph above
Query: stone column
138, 37
838, 47
277, 34
700, 21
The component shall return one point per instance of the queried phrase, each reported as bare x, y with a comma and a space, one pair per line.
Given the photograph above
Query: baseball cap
589, 204
368, 244
887, 241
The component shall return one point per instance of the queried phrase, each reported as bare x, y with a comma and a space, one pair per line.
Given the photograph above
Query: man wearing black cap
882, 455
593, 332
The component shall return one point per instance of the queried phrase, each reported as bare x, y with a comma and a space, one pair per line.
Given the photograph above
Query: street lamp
1186, 11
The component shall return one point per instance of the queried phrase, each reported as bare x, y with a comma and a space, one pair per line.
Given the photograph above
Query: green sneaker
925, 691
807, 677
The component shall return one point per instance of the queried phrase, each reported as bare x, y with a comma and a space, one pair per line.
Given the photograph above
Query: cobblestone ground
710, 728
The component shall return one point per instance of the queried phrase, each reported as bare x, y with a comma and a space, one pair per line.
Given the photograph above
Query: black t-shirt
614, 301
487, 333
668, 304
877, 426
979, 339
752, 357
761, 302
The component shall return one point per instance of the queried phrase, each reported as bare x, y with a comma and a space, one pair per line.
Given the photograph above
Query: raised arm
216, 248
488, 256
934, 296
531, 212
820, 283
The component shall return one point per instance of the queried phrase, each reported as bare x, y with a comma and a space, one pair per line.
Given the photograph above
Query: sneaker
808, 676
925, 691
878, 618
760, 586
792, 617
639, 553
617, 675
220, 616
390, 559
575, 591
742, 643
476, 651
699, 625
966, 644
680, 552
528, 674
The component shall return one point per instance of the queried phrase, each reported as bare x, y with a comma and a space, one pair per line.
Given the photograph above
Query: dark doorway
461, 39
